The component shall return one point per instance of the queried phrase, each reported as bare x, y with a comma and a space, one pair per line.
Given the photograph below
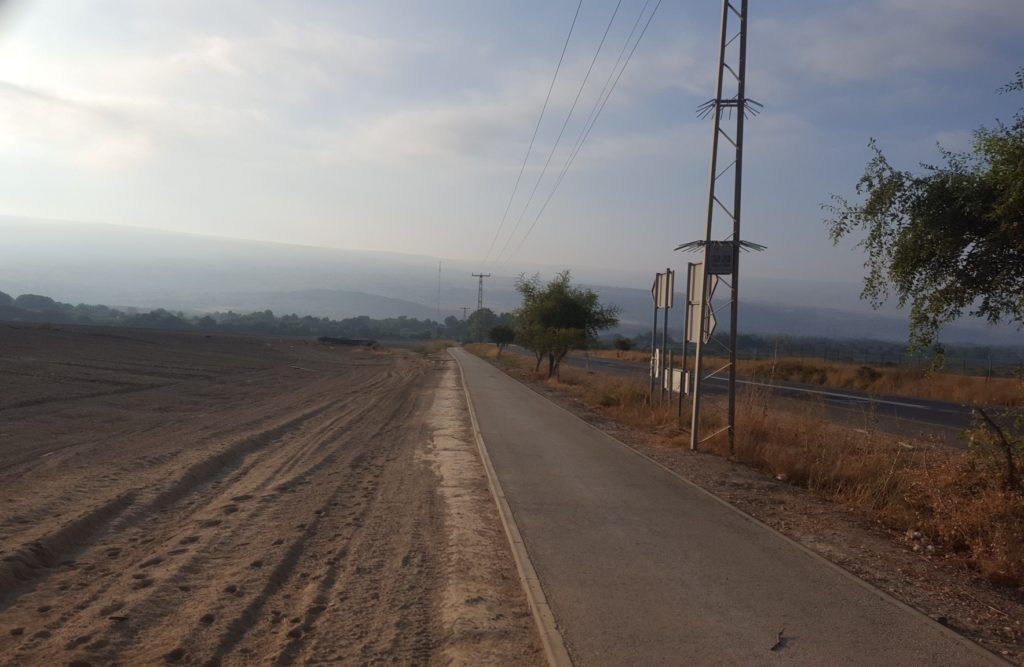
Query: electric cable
585, 134
561, 132
536, 128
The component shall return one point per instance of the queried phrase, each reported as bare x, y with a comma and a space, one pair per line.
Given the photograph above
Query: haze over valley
145, 269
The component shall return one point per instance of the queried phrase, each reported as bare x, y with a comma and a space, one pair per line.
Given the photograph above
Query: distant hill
132, 267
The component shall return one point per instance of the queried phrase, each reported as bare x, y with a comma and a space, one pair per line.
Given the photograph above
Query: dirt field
173, 498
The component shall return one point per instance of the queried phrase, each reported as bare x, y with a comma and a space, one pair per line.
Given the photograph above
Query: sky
401, 126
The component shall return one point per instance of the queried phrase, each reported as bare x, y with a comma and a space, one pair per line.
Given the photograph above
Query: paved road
643, 568
901, 415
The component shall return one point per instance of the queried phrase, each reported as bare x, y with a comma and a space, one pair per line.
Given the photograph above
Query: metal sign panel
663, 289
693, 314
675, 382
656, 363
696, 276
693, 323
720, 255
666, 290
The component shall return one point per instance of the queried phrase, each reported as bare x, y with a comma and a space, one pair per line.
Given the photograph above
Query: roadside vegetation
963, 506
948, 240
558, 317
881, 380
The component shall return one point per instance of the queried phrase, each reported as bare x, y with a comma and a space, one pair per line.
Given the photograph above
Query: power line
536, 128
561, 132
587, 130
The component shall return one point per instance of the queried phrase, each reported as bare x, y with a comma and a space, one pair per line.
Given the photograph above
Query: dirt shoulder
894, 562
175, 499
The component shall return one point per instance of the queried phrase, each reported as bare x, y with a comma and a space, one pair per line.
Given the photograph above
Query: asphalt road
641, 567
901, 415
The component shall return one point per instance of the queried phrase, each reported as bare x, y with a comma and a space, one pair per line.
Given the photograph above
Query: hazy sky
401, 126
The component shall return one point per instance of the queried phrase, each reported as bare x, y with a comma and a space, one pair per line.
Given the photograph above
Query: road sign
696, 278
675, 382
663, 289
693, 305
720, 255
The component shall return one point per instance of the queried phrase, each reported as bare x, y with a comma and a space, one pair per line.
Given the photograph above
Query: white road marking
848, 397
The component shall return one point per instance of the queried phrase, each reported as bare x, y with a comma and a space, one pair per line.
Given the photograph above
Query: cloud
243, 95
882, 40
54, 128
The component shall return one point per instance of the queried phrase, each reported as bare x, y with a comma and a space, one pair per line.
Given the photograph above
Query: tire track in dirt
293, 522
240, 472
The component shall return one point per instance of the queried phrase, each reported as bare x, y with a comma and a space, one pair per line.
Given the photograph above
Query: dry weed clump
862, 469
973, 505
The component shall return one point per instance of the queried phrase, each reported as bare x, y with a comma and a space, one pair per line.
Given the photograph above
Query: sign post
662, 293
654, 331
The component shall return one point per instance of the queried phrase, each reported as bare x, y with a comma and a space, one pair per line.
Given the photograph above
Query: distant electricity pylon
722, 257
480, 289
464, 309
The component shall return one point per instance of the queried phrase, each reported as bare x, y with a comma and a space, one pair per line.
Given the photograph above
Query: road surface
642, 567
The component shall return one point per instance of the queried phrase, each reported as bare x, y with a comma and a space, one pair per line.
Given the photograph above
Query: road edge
551, 639
889, 598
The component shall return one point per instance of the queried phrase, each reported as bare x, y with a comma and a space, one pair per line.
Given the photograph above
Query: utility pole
480, 289
722, 257
439, 292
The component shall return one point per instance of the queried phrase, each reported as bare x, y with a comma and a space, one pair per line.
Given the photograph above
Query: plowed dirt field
183, 499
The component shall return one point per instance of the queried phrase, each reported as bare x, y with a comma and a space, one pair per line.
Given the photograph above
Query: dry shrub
967, 504
797, 445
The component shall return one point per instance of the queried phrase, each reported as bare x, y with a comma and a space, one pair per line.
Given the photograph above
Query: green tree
502, 335
622, 344
948, 240
558, 317
480, 324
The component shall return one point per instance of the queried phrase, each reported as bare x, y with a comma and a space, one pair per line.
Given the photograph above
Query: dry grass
953, 387
895, 381
432, 346
956, 500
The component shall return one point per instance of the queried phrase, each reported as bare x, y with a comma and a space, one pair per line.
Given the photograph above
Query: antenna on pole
722, 257
480, 289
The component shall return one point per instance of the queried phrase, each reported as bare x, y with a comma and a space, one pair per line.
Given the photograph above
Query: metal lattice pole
721, 255
480, 289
